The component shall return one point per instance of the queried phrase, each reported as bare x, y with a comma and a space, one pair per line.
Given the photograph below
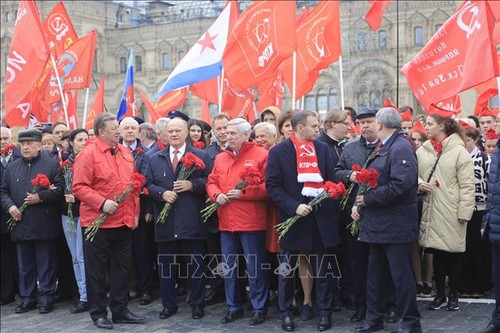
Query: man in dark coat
317, 231
8, 279
389, 224
182, 234
143, 236
491, 229
37, 228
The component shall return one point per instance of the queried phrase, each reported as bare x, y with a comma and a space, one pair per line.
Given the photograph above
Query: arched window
181, 54
310, 103
418, 36
123, 65
333, 99
382, 40
94, 65
438, 26
166, 61
362, 41
138, 64
322, 101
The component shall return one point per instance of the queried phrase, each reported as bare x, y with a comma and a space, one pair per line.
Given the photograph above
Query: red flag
271, 92
452, 104
318, 46
56, 113
97, 106
389, 104
72, 110
485, 91
28, 54
153, 113
59, 29
206, 90
374, 15
237, 105
170, 101
495, 9
205, 111
262, 37
74, 67
459, 56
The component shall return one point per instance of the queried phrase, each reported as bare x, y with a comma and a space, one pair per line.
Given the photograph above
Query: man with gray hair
242, 219
265, 135
161, 135
147, 135
390, 224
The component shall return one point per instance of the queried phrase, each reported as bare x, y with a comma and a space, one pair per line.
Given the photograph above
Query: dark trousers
495, 255
192, 252
325, 273
37, 259
347, 261
143, 251
253, 246
213, 258
110, 254
9, 270
396, 259
446, 263
476, 278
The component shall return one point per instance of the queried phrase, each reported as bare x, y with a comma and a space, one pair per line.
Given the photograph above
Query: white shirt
132, 146
180, 153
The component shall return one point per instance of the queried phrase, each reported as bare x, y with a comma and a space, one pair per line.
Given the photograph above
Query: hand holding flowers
367, 179
67, 167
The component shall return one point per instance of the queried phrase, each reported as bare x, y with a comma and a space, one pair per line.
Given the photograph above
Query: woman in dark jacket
71, 226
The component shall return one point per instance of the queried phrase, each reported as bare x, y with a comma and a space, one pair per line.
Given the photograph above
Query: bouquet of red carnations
367, 179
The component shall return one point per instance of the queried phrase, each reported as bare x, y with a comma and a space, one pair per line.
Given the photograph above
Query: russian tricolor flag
127, 104
204, 59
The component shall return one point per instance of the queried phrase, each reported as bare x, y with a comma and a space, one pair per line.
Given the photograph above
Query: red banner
374, 15
153, 113
459, 56
28, 54
97, 106
271, 92
59, 29
263, 36
170, 101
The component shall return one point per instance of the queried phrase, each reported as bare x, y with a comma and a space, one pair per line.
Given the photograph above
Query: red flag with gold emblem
28, 54
263, 36
59, 29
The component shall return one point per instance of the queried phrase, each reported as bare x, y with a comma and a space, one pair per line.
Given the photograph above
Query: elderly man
161, 135
147, 135
182, 233
8, 283
390, 224
143, 235
242, 219
291, 185
103, 170
37, 228
265, 135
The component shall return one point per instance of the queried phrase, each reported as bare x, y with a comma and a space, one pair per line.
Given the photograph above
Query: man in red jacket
103, 170
242, 219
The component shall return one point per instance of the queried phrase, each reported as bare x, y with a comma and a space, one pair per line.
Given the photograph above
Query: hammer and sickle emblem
306, 151
57, 24
473, 24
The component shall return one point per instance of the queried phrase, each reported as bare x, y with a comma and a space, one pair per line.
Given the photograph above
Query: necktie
4, 161
175, 161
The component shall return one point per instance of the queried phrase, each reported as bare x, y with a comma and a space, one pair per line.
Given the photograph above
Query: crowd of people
433, 214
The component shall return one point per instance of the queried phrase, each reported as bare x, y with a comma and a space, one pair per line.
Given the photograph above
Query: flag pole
294, 79
60, 89
397, 52
342, 102
302, 101
85, 108
220, 86
498, 87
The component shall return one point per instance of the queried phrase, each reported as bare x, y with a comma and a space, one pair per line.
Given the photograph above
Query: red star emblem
207, 41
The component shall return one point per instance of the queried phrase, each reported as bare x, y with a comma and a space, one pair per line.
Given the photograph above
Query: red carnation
198, 144
41, 180
145, 191
6, 151
139, 151
356, 167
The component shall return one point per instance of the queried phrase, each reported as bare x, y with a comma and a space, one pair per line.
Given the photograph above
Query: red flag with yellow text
263, 36
97, 106
59, 29
28, 54
459, 56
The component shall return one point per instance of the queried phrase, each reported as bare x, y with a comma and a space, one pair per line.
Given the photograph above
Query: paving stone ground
471, 317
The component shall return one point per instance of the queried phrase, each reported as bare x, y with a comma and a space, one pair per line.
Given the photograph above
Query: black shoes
287, 324
167, 313
197, 312
411, 330
103, 323
232, 316
391, 317
491, 329
306, 313
368, 328
452, 303
257, 319
145, 299
127, 317
45, 308
79, 307
359, 315
437, 303
25, 307
325, 323
214, 297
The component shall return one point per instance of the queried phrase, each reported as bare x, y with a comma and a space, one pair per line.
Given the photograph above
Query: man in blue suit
389, 225
291, 187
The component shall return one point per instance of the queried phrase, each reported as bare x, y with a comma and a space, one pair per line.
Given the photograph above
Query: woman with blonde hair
446, 180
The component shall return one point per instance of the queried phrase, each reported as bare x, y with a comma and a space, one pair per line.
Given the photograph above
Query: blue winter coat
285, 191
184, 220
491, 219
390, 211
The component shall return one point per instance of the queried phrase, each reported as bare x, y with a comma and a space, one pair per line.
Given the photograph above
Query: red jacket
98, 176
248, 213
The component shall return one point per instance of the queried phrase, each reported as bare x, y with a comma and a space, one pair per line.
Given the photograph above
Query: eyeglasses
342, 122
